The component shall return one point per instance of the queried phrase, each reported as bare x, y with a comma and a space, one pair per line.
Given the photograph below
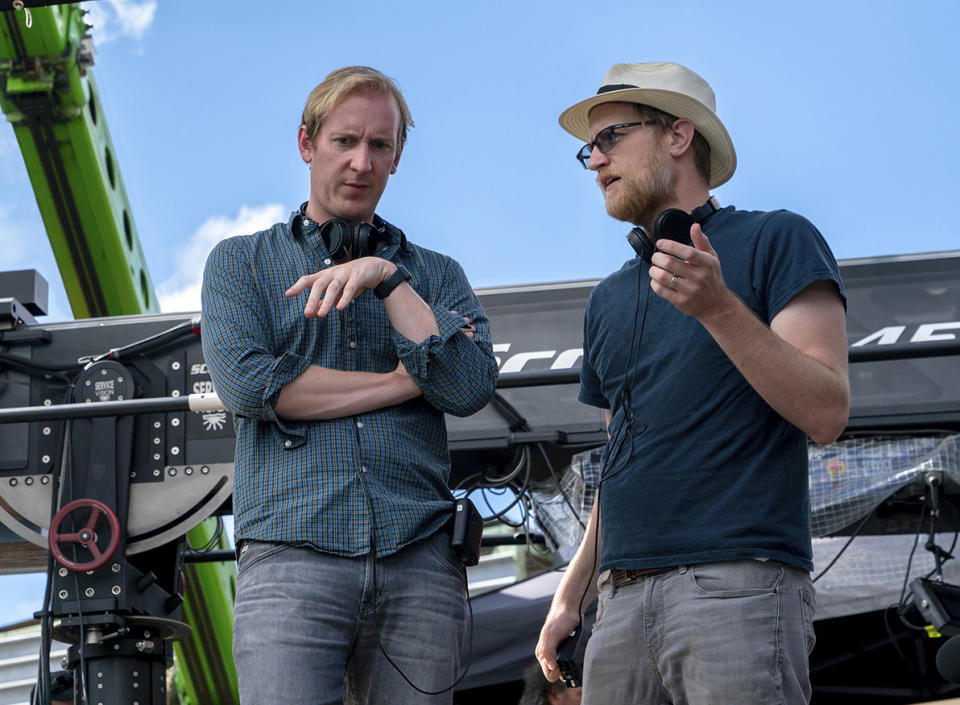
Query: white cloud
115, 19
181, 291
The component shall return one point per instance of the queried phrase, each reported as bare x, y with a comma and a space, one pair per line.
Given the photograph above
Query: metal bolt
63, 662
103, 372
88, 592
119, 397
175, 450
172, 472
47, 402
157, 424
188, 471
116, 647
87, 383
44, 480
156, 440
120, 379
156, 472
175, 393
204, 469
45, 459
175, 365
46, 430
115, 567
115, 589
13, 482
62, 572
28, 481
132, 475
63, 594
174, 421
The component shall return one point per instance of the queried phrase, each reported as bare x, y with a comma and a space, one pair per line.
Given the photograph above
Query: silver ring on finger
673, 282
337, 281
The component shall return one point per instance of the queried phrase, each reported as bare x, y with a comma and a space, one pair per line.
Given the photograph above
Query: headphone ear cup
364, 240
641, 243
673, 224
336, 233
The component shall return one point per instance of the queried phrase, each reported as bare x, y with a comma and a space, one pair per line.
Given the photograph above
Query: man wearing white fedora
716, 353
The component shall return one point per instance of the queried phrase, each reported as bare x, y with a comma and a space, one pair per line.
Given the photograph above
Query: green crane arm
48, 93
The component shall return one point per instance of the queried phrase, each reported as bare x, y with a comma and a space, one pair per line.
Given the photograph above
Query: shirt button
363, 468
306, 222
327, 261
359, 424
353, 343
288, 443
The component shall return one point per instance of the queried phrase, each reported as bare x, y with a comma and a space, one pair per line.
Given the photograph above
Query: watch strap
386, 287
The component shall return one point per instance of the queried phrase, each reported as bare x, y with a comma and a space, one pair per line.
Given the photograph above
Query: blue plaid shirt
329, 484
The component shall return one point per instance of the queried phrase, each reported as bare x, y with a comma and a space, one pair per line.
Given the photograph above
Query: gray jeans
730, 633
305, 631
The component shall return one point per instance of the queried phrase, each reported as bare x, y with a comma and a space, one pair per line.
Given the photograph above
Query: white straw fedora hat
669, 87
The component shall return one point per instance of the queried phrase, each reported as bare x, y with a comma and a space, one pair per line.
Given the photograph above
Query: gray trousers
312, 628
730, 633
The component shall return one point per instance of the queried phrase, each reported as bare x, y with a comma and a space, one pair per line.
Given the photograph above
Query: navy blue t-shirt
706, 470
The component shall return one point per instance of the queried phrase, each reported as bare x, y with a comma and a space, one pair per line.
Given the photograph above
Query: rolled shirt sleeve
456, 374
247, 376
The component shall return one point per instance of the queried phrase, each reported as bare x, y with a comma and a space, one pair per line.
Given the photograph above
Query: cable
901, 605
556, 477
212, 542
625, 398
893, 640
373, 602
844, 547
42, 691
47, 372
949, 554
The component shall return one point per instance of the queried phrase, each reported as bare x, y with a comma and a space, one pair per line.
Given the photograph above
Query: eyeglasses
606, 140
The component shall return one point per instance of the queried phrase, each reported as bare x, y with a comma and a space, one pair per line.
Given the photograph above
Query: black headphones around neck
344, 241
360, 240
671, 224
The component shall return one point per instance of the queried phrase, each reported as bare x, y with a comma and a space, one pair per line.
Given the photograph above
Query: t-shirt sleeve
791, 255
591, 391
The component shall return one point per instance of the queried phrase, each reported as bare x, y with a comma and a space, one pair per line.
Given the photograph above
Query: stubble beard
642, 194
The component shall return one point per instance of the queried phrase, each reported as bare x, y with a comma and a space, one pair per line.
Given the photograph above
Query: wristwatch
386, 287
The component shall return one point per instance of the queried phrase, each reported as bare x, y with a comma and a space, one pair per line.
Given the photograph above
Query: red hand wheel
86, 537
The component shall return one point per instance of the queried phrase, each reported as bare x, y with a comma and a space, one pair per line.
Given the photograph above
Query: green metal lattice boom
49, 96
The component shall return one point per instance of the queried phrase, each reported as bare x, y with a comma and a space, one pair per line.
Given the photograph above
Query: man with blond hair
338, 344
716, 353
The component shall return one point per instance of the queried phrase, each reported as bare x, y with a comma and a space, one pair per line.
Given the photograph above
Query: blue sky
843, 112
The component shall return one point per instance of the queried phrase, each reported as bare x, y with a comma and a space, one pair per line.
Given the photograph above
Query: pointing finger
301, 284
